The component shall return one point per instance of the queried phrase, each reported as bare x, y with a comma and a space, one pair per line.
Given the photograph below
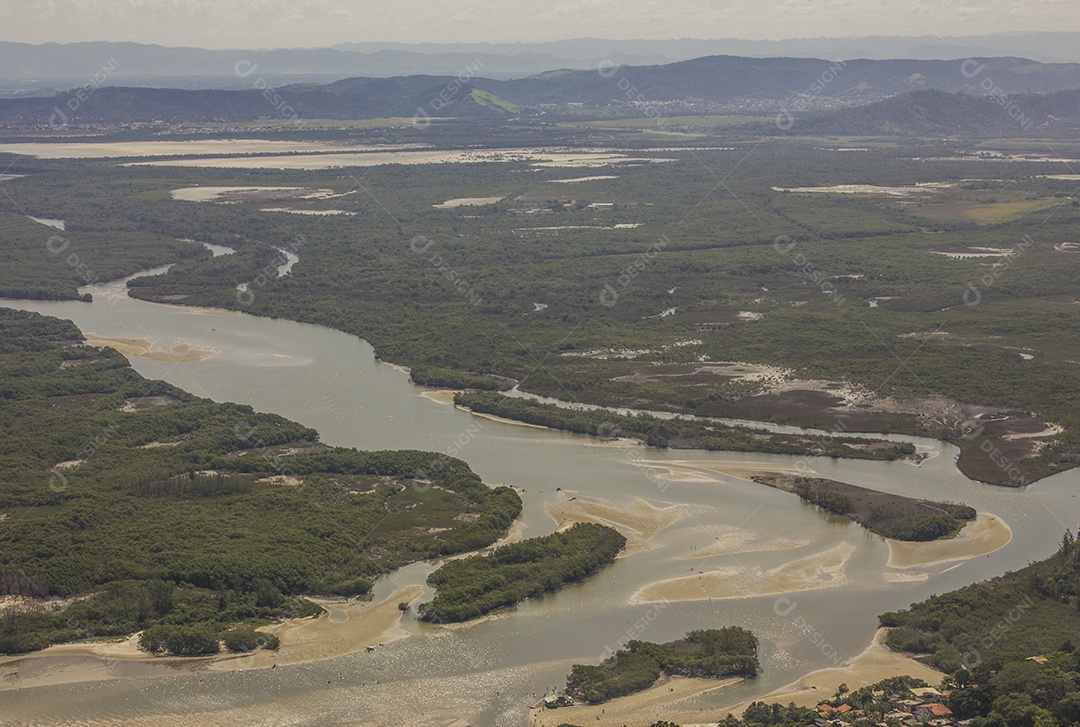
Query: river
489, 672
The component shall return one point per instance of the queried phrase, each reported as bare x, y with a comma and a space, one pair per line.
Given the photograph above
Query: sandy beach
983, 536
145, 348
634, 710
814, 572
638, 522
345, 627
439, 397
873, 665
503, 420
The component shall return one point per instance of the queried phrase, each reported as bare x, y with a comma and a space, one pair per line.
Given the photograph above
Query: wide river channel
490, 672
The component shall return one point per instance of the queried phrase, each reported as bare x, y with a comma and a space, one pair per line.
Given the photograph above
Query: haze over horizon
322, 23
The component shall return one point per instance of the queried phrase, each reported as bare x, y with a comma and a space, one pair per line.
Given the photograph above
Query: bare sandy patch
1051, 431
921, 188
981, 537
214, 194
814, 572
145, 348
316, 213
733, 541
346, 627
704, 470
634, 710
877, 663
282, 480
466, 202
439, 397
594, 178
68, 464
502, 420
638, 522
155, 445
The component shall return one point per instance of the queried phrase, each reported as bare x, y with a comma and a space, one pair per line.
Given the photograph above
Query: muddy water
491, 671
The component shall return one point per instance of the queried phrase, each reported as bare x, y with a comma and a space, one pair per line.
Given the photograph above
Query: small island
479, 584
709, 653
675, 433
890, 516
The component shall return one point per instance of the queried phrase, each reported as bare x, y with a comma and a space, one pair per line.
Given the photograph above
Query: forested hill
731, 80
938, 113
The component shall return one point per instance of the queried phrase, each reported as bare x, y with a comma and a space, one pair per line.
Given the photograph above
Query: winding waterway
490, 672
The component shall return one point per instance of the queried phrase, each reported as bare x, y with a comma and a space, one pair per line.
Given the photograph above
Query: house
924, 692
926, 712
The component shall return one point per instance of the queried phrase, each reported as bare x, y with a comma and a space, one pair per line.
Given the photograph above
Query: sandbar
811, 573
638, 521
145, 348
733, 541
983, 536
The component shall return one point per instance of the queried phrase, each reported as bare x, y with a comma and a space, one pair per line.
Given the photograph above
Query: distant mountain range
995, 96
718, 83
26, 68
940, 114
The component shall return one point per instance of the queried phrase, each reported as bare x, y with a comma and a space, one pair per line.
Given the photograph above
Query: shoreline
875, 663
344, 627
986, 534
633, 710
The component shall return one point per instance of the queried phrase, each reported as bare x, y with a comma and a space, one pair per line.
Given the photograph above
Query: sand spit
814, 572
634, 710
705, 470
502, 420
346, 627
145, 348
877, 663
981, 537
638, 521
439, 397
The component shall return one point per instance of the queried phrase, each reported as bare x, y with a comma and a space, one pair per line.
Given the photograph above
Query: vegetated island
480, 584
709, 653
1008, 644
888, 515
130, 505
677, 433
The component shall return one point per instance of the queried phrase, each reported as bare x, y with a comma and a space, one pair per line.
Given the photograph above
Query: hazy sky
308, 23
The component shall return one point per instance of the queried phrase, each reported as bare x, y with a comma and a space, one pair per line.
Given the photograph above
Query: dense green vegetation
479, 584
1008, 644
1030, 612
681, 433
710, 653
211, 518
888, 515
467, 302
